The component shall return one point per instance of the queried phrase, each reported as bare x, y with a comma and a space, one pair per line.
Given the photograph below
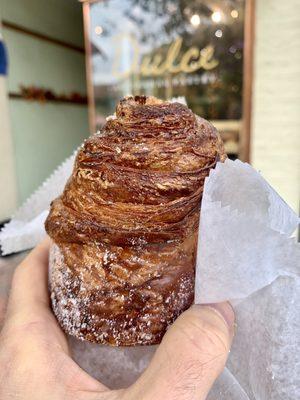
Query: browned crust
126, 224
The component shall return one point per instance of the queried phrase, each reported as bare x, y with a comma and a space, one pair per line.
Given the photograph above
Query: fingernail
226, 311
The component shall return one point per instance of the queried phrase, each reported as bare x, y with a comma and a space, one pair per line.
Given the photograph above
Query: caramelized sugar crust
125, 227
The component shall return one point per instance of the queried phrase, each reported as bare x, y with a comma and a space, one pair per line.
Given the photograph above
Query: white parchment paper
245, 254
244, 235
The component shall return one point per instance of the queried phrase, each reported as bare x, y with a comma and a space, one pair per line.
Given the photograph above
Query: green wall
36, 62
43, 135
61, 19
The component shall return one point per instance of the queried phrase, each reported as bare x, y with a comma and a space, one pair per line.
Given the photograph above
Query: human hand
35, 363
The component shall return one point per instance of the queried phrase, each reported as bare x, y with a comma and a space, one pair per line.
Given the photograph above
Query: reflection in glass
170, 48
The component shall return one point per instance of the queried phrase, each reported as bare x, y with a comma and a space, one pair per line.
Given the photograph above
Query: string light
219, 33
234, 13
195, 20
98, 30
216, 16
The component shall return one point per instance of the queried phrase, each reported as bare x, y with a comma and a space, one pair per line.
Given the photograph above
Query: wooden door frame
88, 66
249, 39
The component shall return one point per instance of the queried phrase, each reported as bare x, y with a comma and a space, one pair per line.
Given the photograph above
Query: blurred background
64, 64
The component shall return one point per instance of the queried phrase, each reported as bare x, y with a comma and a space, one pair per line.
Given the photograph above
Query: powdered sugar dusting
82, 312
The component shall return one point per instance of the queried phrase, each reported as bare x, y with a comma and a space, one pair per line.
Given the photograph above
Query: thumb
191, 356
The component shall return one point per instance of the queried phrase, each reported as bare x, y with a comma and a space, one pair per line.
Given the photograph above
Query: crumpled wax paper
245, 255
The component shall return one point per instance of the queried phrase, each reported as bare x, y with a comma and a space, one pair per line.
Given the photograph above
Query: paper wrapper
245, 254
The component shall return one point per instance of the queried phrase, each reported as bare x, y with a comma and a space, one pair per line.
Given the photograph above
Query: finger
30, 281
191, 356
28, 306
30, 320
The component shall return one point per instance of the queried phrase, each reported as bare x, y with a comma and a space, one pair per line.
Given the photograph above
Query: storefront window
170, 48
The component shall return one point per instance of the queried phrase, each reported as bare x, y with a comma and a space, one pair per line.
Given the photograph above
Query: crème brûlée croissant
125, 228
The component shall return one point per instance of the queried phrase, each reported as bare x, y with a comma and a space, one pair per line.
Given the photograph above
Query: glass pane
171, 48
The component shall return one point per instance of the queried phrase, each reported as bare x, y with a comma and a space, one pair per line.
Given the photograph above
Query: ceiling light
195, 20
219, 33
234, 13
216, 16
98, 30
